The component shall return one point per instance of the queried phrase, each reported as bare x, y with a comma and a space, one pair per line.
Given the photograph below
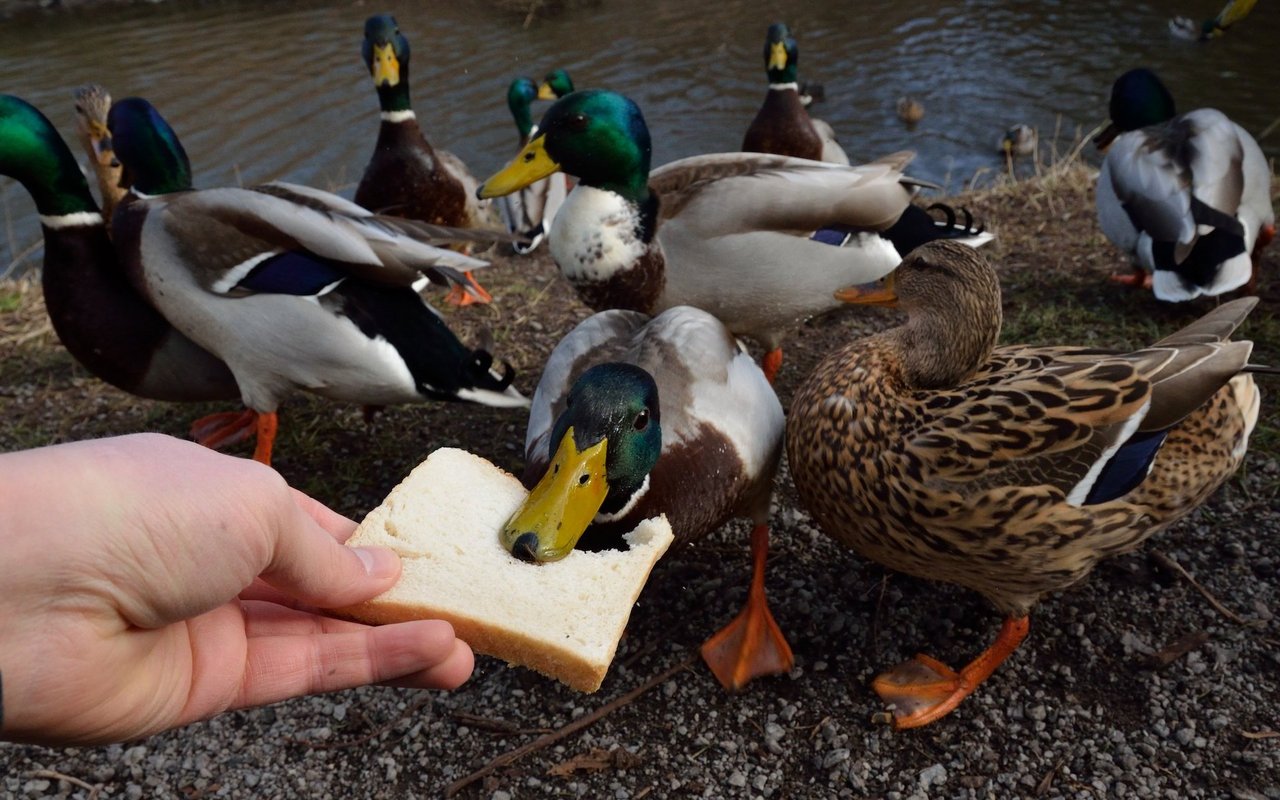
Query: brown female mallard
1010, 470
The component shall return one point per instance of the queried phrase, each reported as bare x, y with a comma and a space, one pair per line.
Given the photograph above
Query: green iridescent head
386, 54
32, 153
555, 85
1139, 99
520, 96
601, 138
148, 148
602, 448
597, 136
781, 54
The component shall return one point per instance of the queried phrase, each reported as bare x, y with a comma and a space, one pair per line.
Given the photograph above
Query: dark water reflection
277, 90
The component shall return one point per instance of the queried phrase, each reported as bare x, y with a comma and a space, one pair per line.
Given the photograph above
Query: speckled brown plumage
927, 451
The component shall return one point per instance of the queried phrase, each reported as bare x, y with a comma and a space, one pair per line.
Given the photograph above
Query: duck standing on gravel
406, 176
637, 416
760, 241
782, 125
1010, 470
1188, 197
291, 287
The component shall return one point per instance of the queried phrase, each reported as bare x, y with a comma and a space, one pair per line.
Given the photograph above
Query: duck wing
738, 192
237, 233
1171, 179
1084, 422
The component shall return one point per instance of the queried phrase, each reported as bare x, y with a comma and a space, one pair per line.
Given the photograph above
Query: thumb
308, 564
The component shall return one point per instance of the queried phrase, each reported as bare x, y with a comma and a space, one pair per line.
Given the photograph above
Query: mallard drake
637, 416
528, 213
1010, 470
1231, 13
406, 176
761, 241
910, 110
1187, 196
782, 125
1020, 140
92, 104
555, 85
292, 287
100, 318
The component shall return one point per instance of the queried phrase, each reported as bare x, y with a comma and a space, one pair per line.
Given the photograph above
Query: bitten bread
563, 619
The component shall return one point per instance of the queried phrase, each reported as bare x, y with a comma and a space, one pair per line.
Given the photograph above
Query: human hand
147, 582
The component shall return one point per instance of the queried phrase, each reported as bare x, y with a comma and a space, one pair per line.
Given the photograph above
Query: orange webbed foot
752, 645
924, 689
231, 427
224, 428
471, 294
1139, 278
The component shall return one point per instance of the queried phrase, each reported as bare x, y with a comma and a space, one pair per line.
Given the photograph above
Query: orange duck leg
752, 645
924, 689
231, 427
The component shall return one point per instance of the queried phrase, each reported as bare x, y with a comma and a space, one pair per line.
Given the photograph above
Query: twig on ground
568, 730
1168, 563
413, 708
1177, 649
94, 789
490, 725
1046, 783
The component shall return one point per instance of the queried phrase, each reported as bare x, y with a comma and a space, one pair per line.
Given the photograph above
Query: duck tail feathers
483, 384
917, 226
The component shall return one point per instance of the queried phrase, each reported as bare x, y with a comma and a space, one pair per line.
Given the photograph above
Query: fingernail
379, 562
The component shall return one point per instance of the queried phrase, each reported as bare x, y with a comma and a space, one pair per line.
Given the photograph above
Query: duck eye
642, 420
578, 122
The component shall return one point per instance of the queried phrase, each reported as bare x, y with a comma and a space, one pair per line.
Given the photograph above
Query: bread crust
562, 619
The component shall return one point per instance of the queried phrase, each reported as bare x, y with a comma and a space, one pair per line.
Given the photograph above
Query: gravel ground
1131, 684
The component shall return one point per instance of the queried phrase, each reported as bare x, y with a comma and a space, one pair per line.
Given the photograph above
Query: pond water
259, 91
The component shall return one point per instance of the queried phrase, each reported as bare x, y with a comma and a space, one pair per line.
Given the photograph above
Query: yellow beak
530, 165
778, 55
880, 293
559, 509
386, 67
545, 92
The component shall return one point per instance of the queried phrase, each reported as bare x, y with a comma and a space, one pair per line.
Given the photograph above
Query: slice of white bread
563, 619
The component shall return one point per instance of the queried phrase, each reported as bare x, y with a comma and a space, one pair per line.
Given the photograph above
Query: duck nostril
526, 547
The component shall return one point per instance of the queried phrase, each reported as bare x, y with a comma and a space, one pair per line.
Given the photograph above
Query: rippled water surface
259, 91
